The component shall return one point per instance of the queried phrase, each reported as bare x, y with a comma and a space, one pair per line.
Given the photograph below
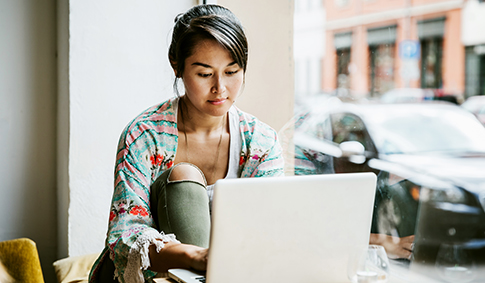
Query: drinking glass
372, 266
454, 264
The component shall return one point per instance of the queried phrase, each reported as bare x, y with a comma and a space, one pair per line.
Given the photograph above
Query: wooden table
164, 279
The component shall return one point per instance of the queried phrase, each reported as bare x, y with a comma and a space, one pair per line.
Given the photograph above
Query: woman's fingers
199, 258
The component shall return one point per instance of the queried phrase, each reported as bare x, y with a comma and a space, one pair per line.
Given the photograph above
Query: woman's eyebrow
209, 66
201, 64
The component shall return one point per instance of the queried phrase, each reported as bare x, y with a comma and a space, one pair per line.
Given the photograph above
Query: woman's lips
218, 101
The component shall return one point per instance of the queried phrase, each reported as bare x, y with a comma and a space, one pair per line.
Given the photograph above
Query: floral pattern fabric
146, 149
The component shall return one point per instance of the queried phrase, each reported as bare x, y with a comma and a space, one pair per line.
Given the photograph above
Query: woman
170, 156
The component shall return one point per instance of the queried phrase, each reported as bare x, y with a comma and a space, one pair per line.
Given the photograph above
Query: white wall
117, 67
473, 21
28, 125
268, 92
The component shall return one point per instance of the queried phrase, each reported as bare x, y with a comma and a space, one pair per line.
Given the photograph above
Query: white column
113, 65
269, 89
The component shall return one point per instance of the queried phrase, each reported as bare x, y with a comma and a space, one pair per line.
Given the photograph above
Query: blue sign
409, 49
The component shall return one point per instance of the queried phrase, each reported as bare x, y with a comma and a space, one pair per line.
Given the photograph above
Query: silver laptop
287, 229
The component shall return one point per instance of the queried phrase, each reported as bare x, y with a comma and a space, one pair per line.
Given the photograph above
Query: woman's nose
218, 85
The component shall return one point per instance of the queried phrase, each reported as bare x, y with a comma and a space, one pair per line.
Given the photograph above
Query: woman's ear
174, 68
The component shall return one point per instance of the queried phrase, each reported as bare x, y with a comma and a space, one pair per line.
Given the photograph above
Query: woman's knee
187, 171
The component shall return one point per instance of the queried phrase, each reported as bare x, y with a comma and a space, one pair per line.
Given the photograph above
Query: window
431, 37
343, 44
431, 57
381, 68
475, 70
343, 62
381, 59
385, 63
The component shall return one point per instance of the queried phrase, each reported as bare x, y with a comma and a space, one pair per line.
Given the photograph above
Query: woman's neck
194, 121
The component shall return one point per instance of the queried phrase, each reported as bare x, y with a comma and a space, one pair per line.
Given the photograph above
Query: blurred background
366, 48
397, 87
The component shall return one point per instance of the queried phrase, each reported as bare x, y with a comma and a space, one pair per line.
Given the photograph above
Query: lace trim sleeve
138, 259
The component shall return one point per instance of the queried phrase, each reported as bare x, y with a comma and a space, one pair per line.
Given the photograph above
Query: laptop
287, 229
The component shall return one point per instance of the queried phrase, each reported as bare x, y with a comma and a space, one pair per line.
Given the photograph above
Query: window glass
401, 93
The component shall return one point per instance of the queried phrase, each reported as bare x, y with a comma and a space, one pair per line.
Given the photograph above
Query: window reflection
402, 94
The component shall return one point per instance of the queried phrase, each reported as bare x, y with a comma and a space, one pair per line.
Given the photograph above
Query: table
398, 274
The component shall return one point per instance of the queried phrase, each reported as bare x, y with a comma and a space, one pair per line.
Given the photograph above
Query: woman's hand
198, 258
395, 247
175, 255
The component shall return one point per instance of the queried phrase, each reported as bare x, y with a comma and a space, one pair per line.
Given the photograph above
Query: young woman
170, 156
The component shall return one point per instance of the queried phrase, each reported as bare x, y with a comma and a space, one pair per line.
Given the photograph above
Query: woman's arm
176, 255
395, 247
145, 149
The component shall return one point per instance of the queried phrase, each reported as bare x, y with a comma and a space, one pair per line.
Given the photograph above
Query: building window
381, 59
343, 43
381, 68
431, 34
475, 70
343, 62
431, 61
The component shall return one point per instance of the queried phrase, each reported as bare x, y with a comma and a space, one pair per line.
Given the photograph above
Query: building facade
473, 37
373, 46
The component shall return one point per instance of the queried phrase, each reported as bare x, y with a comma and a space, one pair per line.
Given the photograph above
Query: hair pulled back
206, 22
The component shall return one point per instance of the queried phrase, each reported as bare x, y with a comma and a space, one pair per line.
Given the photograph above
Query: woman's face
212, 78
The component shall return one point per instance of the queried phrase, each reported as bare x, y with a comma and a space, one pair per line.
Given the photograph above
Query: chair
21, 259
74, 269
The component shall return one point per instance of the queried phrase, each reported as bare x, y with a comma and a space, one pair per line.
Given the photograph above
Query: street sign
409, 70
409, 50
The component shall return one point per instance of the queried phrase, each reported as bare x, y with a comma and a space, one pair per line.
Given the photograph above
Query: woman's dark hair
206, 22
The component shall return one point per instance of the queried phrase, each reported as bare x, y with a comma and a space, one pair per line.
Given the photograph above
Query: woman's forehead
210, 52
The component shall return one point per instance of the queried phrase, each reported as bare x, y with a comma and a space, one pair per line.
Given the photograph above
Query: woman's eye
204, 75
232, 72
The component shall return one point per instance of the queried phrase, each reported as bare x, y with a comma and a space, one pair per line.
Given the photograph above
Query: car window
433, 130
349, 127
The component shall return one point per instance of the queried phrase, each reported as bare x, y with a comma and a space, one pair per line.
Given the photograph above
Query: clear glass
406, 80
454, 264
372, 266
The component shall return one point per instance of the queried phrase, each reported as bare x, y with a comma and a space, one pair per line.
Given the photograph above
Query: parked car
430, 162
476, 105
408, 95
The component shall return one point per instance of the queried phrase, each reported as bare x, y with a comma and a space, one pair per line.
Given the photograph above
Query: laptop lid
289, 229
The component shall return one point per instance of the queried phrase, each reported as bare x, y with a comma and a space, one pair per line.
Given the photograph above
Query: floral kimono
146, 149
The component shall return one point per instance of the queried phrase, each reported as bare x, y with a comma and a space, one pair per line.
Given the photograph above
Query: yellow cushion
4, 275
21, 260
75, 268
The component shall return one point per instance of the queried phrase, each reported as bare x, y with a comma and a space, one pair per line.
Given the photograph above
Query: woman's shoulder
250, 124
160, 118
162, 112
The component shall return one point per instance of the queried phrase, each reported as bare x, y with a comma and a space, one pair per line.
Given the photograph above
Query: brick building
373, 46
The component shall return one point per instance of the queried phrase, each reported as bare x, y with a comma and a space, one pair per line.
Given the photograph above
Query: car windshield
430, 130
